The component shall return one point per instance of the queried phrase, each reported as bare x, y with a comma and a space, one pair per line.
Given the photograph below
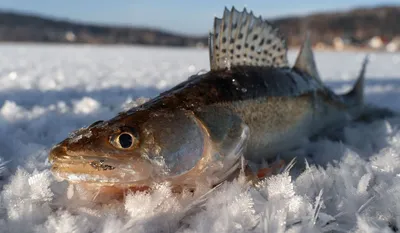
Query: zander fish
250, 104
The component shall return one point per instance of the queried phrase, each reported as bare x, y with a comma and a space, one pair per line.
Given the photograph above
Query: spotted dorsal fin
241, 39
305, 60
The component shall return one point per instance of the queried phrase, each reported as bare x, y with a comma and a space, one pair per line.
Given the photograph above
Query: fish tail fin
368, 112
356, 95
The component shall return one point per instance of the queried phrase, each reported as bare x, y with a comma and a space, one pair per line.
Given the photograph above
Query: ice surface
48, 91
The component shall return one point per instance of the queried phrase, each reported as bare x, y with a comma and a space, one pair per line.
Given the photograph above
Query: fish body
251, 105
280, 106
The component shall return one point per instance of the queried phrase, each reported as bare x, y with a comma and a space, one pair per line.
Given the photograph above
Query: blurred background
335, 25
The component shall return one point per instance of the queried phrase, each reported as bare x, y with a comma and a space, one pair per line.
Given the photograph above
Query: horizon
201, 18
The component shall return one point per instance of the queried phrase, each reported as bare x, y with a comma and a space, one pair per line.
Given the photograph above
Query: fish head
104, 153
140, 148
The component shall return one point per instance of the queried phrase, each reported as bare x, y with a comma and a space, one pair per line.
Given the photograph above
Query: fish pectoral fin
241, 39
229, 136
305, 61
221, 123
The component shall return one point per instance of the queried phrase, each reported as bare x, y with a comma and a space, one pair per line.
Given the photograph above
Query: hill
22, 27
359, 24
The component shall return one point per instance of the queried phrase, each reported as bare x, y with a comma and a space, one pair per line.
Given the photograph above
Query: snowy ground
47, 91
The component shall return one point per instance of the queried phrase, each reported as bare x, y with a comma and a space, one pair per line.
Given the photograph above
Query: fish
250, 106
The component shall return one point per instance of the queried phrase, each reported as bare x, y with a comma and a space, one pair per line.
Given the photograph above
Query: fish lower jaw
101, 180
102, 193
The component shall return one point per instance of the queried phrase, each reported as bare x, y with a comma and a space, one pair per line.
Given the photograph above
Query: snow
48, 91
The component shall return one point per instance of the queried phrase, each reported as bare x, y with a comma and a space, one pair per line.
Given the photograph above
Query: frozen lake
47, 91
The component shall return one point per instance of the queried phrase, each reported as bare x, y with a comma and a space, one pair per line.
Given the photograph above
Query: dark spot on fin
243, 33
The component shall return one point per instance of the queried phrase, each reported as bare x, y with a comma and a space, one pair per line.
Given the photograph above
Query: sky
181, 16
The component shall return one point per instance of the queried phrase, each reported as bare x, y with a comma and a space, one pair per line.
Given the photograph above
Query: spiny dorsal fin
241, 39
357, 93
305, 60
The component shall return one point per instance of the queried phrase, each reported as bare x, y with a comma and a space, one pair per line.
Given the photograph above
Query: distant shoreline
355, 27
327, 49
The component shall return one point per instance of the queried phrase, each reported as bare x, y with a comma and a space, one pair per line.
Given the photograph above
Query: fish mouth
85, 173
96, 163
88, 171
101, 170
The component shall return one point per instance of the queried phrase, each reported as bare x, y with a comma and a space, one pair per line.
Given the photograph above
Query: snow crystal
346, 185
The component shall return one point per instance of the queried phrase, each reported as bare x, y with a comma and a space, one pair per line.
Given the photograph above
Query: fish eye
124, 140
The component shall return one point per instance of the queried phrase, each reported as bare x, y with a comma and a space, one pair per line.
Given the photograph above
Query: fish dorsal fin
241, 39
305, 60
